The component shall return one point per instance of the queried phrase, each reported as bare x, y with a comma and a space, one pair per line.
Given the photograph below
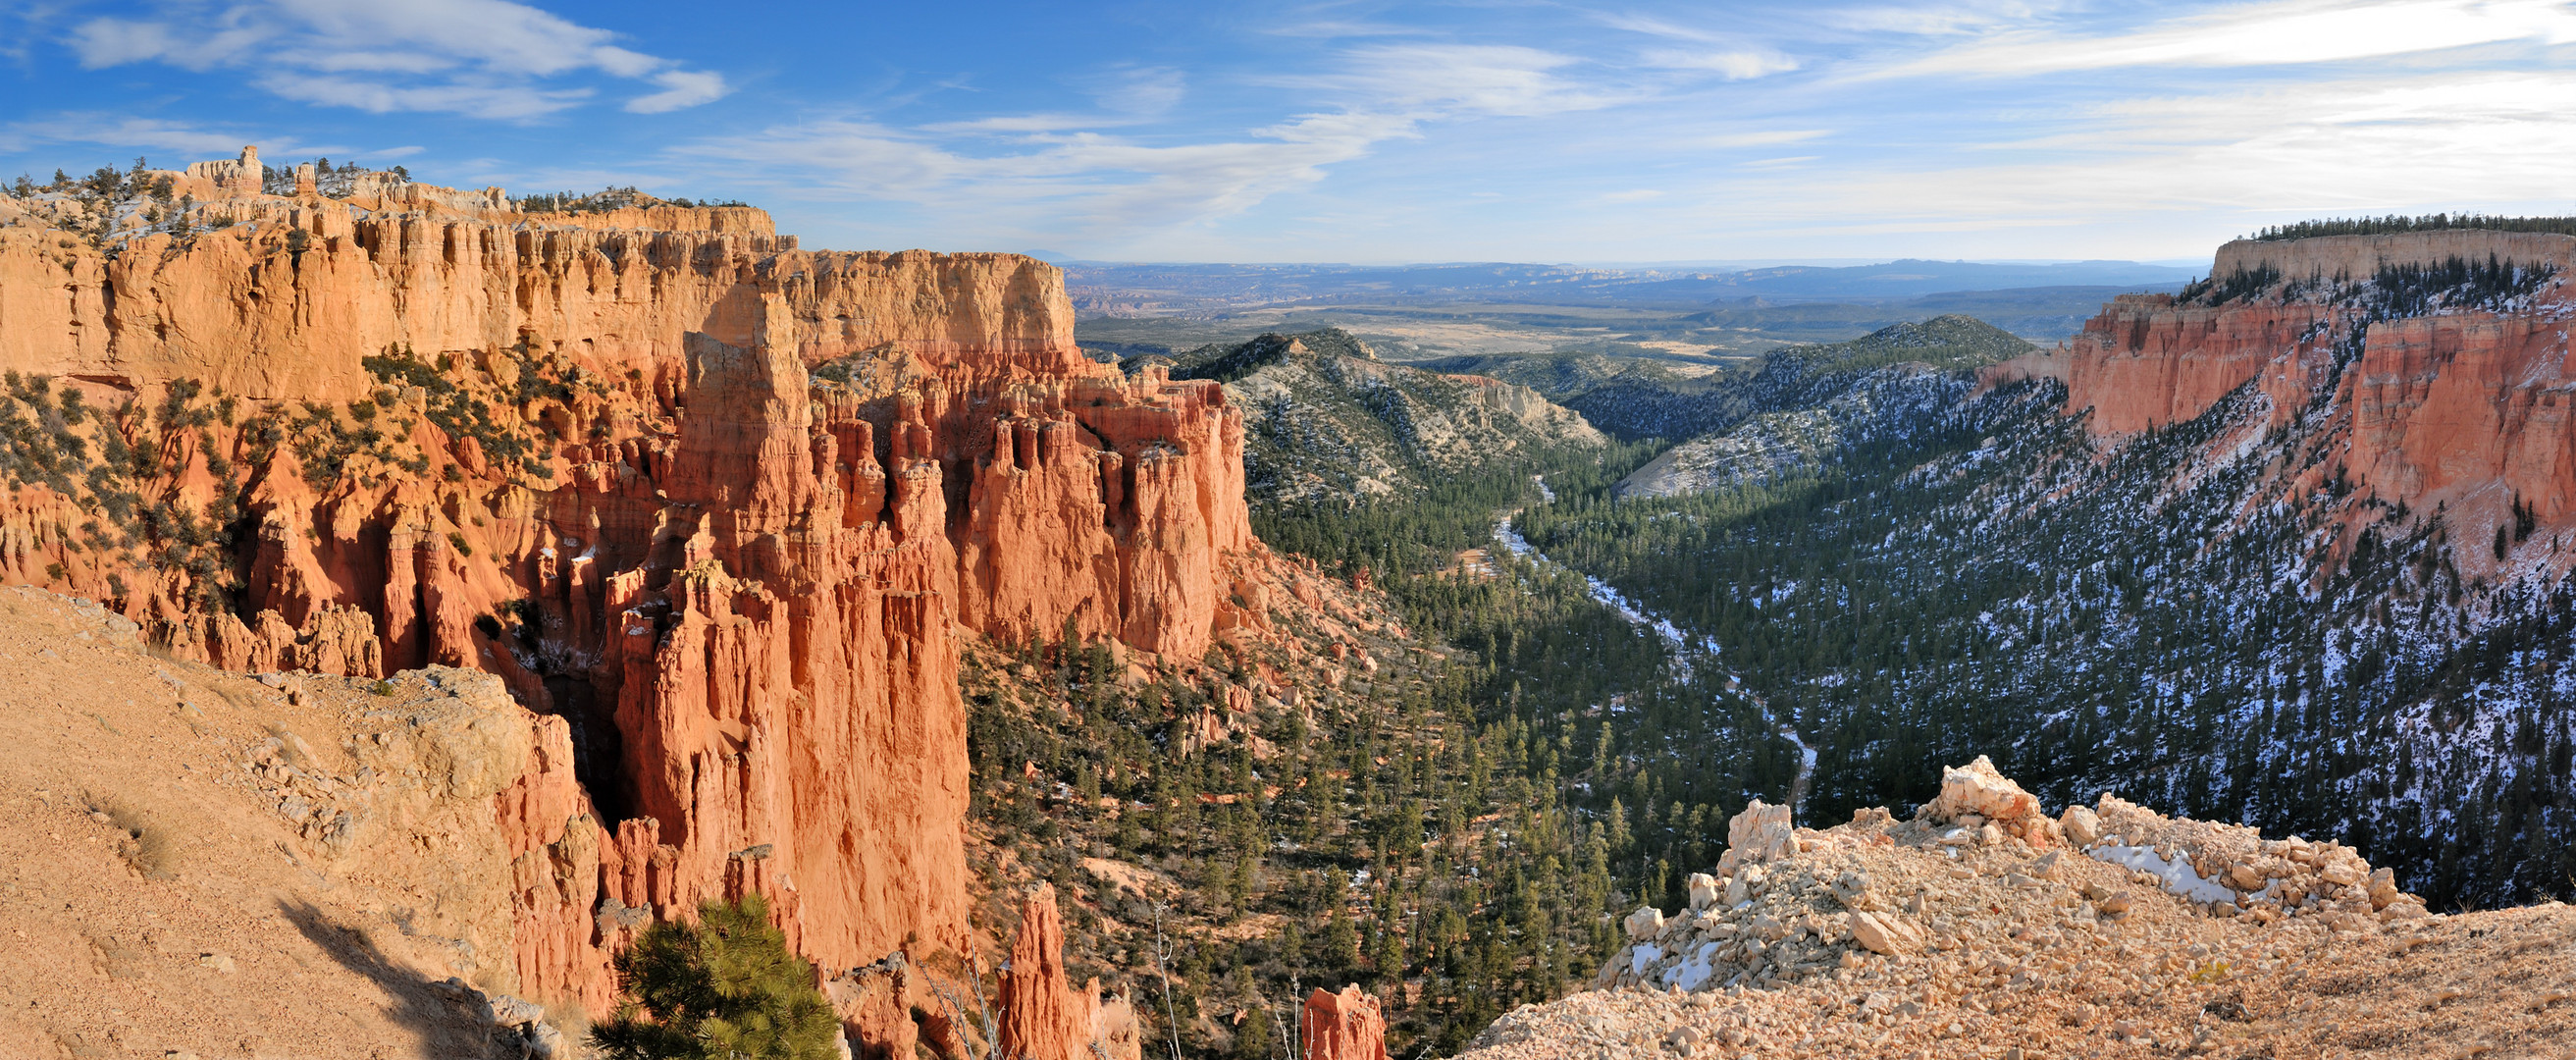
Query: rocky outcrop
1887, 938
1343, 1026
718, 506
1788, 903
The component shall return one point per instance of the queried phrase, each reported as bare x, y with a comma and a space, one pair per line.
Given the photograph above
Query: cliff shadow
598, 748
440, 1015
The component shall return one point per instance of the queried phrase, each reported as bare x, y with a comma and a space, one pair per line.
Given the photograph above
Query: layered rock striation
2436, 362
721, 505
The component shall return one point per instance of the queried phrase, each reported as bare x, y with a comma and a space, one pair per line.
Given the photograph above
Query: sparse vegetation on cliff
605, 200
2394, 224
2397, 290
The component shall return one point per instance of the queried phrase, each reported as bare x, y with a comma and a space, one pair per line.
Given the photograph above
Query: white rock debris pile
2109, 930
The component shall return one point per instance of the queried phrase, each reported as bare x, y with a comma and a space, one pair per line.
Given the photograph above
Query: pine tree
725, 988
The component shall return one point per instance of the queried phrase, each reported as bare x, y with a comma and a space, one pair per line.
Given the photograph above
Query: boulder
1703, 891
1761, 833
1978, 789
1645, 923
2083, 828
1882, 933
2383, 888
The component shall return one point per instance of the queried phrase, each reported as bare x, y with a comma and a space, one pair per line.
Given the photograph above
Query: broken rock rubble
1791, 903
1982, 925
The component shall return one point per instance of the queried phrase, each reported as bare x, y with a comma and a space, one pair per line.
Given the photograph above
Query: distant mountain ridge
1639, 399
1122, 289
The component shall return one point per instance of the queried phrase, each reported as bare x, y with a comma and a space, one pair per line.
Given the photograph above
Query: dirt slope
227, 929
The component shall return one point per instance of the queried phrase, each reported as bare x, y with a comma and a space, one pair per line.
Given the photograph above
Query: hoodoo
1343, 1026
720, 503
1042, 1016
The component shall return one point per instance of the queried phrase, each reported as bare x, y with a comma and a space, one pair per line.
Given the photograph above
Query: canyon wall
2459, 403
721, 504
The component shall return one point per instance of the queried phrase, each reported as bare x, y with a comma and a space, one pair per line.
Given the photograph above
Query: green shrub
724, 988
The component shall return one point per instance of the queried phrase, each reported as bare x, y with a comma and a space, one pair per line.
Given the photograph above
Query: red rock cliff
2466, 408
720, 503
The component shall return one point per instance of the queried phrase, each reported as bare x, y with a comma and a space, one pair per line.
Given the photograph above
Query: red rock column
1041, 1018
1343, 1026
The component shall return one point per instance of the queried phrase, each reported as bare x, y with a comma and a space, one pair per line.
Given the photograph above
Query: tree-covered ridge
2404, 289
1328, 423
1225, 364
2394, 224
1942, 342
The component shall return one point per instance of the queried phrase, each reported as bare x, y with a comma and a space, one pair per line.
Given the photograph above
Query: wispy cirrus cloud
2263, 154
2281, 33
1099, 181
1447, 79
1742, 64
1726, 54
481, 58
1094, 171
175, 141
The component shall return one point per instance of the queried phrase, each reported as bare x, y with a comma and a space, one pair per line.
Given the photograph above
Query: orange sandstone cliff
716, 508
2425, 369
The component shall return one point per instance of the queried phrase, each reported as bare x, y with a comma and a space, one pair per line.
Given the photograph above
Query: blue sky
1364, 132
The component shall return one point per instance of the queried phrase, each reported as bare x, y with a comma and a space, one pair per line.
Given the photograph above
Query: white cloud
1083, 179
503, 102
1076, 177
1141, 91
114, 42
1491, 79
1931, 21
1764, 138
2492, 141
681, 89
481, 58
1735, 65
2283, 32
176, 142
